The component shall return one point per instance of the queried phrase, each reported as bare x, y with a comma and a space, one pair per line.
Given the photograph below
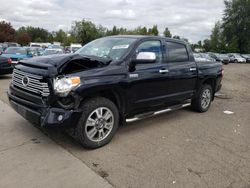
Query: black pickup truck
111, 80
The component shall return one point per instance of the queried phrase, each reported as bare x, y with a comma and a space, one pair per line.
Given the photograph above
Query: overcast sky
192, 19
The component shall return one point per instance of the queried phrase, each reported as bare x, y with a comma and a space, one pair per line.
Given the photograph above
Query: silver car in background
236, 58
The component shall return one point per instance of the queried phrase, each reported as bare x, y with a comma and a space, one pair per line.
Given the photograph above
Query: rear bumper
225, 62
218, 88
42, 115
218, 84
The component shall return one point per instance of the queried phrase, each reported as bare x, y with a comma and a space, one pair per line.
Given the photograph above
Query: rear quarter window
177, 52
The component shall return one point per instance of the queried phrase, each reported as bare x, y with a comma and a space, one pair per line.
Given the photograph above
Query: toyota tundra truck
110, 81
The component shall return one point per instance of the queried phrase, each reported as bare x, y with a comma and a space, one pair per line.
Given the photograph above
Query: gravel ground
181, 148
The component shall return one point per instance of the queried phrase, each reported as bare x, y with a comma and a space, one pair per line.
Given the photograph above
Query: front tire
98, 123
203, 100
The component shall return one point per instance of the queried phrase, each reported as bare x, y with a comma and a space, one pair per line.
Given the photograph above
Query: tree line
231, 34
82, 32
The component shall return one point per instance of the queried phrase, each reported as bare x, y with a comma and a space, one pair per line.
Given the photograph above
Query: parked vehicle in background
219, 57
33, 44
111, 80
236, 58
207, 56
36, 51
1, 50
247, 57
5, 66
52, 51
10, 44
17, 53
214, 56
40, 44
224, 58
75, 47
67, 49
72, 48
199, 58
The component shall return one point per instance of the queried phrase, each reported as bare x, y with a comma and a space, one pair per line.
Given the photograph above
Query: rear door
182, 71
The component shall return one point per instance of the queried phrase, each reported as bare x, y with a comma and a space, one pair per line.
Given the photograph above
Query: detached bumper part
46, 117
57, 117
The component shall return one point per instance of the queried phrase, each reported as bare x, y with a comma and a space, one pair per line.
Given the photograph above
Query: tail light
9, 61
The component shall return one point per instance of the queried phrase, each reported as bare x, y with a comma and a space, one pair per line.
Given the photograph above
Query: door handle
192, 69
163, 71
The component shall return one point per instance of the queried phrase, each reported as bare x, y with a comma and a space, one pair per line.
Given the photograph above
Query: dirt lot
181, 148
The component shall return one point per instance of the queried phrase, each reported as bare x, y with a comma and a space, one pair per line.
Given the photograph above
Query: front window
15, 51
151, 46
110, 48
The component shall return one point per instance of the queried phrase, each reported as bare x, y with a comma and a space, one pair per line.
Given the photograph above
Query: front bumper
5, 69
41, 114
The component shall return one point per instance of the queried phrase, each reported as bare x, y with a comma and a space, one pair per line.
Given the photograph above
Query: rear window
176, 52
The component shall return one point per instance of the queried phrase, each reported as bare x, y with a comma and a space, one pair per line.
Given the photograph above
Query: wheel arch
113, 94
212, 83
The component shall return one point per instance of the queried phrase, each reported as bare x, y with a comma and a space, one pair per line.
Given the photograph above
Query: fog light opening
60, 118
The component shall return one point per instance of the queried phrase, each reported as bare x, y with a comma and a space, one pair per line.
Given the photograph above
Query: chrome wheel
206, 98
99, 124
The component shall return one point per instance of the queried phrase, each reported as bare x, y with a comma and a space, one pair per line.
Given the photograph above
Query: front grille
33, 83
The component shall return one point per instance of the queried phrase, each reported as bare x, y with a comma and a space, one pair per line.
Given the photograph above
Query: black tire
196, 102
235, 61
89, 107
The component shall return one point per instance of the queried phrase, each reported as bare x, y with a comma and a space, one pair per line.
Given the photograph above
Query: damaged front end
42, 89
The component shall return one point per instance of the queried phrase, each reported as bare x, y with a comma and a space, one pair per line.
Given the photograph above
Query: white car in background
75, 47
199, 58
236, 58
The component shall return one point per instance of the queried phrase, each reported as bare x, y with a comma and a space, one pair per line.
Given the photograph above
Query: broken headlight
62, 86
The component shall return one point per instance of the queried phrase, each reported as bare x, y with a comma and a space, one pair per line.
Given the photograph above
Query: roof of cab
147, 36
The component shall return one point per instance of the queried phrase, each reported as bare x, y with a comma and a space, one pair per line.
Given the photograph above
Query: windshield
110, 48
15, 51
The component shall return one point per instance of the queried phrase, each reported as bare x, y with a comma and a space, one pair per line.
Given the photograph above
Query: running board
151, 114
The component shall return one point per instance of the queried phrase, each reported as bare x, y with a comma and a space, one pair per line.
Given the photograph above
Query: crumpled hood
51, 60
53, 64
59, 60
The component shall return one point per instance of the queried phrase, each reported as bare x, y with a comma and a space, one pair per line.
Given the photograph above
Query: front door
146, 83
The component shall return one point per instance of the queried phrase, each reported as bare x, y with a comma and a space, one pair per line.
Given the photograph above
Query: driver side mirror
145, 57
142, 58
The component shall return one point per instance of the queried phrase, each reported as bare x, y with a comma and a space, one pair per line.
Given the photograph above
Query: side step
151, 114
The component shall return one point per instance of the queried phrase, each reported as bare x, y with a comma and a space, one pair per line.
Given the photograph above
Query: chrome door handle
192, 69
163, 71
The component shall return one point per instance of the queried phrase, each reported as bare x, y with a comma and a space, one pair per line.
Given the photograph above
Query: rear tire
98, 123
203, 99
